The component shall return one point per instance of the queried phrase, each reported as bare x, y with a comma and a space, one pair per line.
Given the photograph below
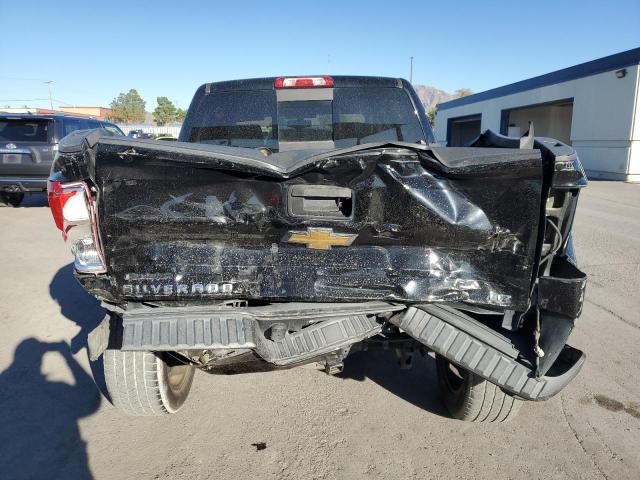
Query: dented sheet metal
185, 221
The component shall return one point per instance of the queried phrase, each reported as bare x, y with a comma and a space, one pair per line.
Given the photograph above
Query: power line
23, 79
22, 99
57, 100
49, 82
63, 102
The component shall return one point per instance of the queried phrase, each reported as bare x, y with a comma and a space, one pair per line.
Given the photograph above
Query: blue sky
92, 52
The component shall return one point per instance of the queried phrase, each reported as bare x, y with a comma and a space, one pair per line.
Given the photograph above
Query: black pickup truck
300, 219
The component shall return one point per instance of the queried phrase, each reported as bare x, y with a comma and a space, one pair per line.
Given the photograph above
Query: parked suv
28, 144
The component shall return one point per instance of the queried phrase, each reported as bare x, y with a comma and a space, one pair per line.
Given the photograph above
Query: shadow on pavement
83, 310
39, 434
417, 385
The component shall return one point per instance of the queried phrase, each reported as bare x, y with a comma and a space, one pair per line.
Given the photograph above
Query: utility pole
50, 98
411, 71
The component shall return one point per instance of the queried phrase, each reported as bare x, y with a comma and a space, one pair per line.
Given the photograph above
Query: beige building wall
634, 150
605, 125
97, 112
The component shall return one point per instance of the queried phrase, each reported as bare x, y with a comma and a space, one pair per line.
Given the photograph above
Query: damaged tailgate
386, 221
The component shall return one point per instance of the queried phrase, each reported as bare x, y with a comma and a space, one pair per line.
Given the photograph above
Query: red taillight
73, 209
58, 197
303, 82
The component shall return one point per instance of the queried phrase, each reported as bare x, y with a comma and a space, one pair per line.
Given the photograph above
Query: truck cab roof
339, 81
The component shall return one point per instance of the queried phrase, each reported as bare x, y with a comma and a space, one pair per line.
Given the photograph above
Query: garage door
462, 130
549, 120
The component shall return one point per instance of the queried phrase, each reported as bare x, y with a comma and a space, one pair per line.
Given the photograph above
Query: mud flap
560, 298
98, 339
479, 349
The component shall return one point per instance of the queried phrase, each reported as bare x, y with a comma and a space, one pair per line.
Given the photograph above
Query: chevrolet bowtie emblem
320, 238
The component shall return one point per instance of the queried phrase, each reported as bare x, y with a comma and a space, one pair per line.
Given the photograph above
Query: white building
594, 106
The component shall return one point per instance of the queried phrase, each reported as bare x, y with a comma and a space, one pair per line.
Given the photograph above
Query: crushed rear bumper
470, 344
310, 331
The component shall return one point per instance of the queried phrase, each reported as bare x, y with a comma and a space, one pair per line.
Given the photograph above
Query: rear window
72, 124
365, 115
255, 119
24, 130
237, 119
112, 128
305, 121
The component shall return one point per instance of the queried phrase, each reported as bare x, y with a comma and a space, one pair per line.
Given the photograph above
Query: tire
144, 384
12, 198
471, 398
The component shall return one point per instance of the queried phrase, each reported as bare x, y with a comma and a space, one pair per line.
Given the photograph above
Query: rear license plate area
12, 158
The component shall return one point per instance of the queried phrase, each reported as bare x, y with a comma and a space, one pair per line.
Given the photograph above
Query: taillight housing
73, 210
303, 82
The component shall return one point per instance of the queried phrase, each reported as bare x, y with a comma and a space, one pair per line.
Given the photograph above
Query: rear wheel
146, 383
12, 198
471, 398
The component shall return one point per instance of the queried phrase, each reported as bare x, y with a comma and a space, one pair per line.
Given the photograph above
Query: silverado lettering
176, 289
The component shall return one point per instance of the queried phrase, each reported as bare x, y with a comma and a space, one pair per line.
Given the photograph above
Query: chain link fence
173, 130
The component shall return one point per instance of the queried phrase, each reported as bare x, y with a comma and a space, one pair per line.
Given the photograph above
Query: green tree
431, 114
463, 92
128, 107
180, 114
165, 112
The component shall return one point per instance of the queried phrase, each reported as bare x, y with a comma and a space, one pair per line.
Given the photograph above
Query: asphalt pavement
373, 421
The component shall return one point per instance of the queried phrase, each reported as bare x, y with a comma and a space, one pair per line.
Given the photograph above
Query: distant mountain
431, 96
